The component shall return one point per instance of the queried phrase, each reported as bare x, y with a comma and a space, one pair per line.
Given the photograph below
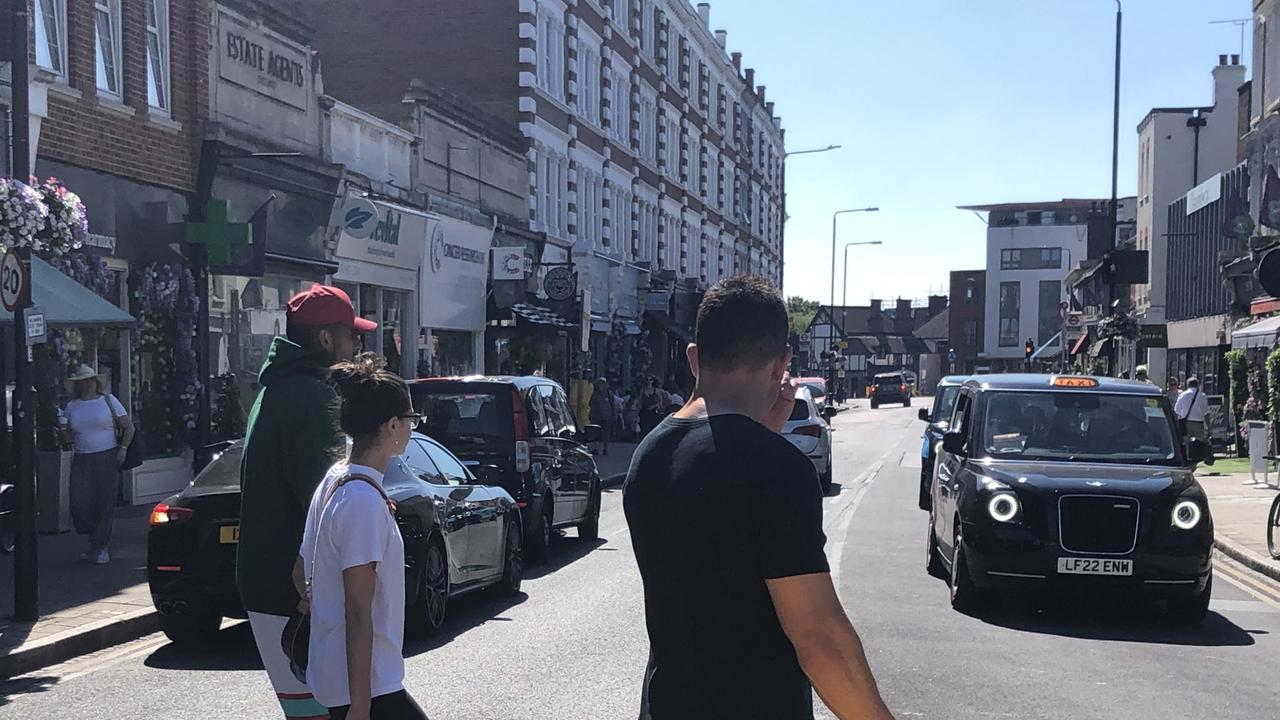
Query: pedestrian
652, 406
1191, 410
1141, 374
291, 441
736, 581
100, 432
352, 555
602, 412
675, 400
1175, 389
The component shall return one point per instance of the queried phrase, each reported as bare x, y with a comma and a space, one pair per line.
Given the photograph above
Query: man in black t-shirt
726, 519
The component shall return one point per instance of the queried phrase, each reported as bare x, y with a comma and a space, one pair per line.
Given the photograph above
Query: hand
121, 454
782, 407
304, 605
358, 712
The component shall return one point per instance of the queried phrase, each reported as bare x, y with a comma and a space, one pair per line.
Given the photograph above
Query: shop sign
266, 64
1204, 194
658, 302
454, 278
559, 284
585, 321
510, 263
102, 242
397, 238
1154, 336
358, 217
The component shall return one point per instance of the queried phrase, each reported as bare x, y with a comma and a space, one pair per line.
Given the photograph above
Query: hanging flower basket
22, 213
1121, 325
66, 226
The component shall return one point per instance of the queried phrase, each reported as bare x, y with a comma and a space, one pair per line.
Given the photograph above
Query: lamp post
1115, 135
828, 148
831, 309
785, 216
844, 279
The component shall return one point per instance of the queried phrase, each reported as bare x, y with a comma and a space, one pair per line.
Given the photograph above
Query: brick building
967, 321
655, 161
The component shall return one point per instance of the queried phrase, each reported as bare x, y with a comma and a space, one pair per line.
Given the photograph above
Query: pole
26, 575
831, 310
198, 256
1115, 165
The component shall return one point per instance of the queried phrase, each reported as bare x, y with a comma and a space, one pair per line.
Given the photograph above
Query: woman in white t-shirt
99, 431
353, 555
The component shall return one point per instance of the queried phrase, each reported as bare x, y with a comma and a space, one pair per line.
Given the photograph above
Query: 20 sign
14, 281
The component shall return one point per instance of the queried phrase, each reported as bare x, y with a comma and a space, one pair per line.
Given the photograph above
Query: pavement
1240, 509
573, 645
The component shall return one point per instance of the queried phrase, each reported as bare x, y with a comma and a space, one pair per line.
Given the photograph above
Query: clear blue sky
941, 103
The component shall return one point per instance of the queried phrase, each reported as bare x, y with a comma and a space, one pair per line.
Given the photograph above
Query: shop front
378, 267
1198, 348
453, 285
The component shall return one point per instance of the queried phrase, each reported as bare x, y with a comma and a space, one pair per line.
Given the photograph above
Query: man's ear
691, 352
326, 340
782, 366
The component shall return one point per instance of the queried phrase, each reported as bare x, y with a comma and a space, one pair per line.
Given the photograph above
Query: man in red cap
291, 441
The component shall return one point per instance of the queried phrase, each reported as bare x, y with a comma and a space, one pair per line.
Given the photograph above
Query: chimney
751, 76
737, 61
704, 12
768, 107
903, 323
877, 306
1222, 59
1235, 59
875, 321
760, 93
937, 303
1227, 80
722, 37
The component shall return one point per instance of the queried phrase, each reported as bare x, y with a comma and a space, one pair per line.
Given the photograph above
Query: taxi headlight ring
1003, 507
1186, 515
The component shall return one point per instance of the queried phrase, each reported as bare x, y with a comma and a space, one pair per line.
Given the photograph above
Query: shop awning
540, 316
1079, 345
1258, 335
1096, 349
1049, 350
671, 326
67, 303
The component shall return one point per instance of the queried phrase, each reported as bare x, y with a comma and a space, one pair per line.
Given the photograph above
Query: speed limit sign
15, 281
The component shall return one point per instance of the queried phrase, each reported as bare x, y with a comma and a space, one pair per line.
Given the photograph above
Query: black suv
890, 388
520, 434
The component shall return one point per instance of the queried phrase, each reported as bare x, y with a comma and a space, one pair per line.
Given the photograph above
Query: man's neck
714, 398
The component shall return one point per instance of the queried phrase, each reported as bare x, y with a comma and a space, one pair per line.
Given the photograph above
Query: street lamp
831, 309
844, 279
828, 148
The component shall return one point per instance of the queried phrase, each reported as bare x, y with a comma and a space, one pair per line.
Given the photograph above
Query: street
574, 645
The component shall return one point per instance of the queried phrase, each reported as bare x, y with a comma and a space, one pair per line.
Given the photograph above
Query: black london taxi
936, 420
1070, 483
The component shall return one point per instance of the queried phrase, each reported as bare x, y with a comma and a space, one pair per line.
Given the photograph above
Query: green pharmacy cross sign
219, 236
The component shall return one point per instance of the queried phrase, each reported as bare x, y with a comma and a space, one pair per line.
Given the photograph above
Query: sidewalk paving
1240, 519
83, 607
613, 467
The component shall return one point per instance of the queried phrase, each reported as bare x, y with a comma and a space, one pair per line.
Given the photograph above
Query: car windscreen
1079, 427
449, 416
816, 390
889, 380
223, 471
945, 403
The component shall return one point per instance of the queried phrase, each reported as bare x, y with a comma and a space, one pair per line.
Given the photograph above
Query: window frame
1009, 317
59, 8
114, 16
160, 31
437, 453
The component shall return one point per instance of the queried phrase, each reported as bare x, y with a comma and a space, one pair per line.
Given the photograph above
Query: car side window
570, 423
555, 413
450, 468
960, 418
537, 412
416, 457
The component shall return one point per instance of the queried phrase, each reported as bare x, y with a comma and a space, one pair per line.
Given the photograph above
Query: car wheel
589, 528
513, 559
1273, 529
1191, 610
875, 405
933, 556
190, 628
826, 477
964, 594
926, 500
540, 534
427, 614
907, 403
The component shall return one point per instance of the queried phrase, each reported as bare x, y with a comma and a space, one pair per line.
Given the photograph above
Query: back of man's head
742, 324
1193, 383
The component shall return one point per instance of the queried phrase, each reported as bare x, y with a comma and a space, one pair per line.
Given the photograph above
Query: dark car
522, 431
459, 536
1069, 483
890, 388
936, 420
8, 517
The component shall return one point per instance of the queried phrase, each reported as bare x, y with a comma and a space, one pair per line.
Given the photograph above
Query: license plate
229, 534
1094, 566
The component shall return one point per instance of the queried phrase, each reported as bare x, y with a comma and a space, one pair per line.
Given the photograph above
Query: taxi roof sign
1072, 381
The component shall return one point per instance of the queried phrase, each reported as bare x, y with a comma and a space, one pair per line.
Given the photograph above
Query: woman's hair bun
362, 373
371, 394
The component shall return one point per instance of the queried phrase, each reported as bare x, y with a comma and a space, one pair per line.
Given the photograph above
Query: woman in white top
99, 431
353, 555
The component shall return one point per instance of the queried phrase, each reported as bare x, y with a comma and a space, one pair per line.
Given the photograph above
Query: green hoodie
291, 441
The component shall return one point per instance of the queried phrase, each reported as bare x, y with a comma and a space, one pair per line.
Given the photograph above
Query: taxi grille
1105, 525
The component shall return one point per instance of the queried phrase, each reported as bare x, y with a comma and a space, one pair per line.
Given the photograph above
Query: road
574, 646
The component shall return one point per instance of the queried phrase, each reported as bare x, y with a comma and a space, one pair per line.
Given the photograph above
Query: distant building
967, 321
877, 340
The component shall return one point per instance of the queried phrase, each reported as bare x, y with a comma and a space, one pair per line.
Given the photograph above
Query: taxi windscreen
1077, 426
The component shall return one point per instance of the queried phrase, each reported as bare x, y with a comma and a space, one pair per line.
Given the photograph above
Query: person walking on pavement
1175, 389
100, 432
291, 441
601, 412
742, 614
352, 556
1191, 410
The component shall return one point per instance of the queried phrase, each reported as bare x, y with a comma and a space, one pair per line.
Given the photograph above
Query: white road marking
843, 512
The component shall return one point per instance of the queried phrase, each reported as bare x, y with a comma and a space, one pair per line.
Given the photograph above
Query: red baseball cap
326, 305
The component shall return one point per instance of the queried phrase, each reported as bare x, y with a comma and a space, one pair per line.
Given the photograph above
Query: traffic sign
36, 328
15, 281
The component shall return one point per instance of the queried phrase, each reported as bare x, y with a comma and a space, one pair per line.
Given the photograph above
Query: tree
801, 311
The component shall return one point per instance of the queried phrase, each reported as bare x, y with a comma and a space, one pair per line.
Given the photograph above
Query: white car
809, 431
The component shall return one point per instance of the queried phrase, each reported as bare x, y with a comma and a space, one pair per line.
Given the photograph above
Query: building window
589, 84
107, 32
620, 105
622, 15
158, 54
649, 127
672, 159
970, 333
648, 23
1050, 309
551, 56
971, 295
1030, 258
1010, 312
51, 35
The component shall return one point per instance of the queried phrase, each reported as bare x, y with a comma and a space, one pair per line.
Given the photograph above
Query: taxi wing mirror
954, 443
924, 414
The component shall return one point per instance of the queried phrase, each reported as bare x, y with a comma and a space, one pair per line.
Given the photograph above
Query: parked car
459, 536
890, 388
808, 430
523, 432
1062, 483
936, 420
817, 385
8, 517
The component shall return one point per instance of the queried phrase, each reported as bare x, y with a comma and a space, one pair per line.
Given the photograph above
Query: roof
952, 380
937, 327
1029, 381
1261, 334
1065, 203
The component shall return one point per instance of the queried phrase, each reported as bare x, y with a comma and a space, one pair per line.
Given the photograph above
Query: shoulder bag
295, 640
133, 453
1182, 421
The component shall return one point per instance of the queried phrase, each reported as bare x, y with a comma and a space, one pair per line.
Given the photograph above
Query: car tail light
902, 388
521, 432
810, 430
164, 514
